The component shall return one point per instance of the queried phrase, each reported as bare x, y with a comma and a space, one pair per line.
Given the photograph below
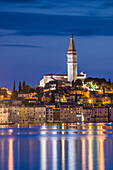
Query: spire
71, 45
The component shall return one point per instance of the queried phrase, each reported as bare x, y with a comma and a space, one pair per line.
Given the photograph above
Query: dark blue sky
34, 38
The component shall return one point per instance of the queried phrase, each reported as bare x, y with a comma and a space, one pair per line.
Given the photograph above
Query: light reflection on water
57, 147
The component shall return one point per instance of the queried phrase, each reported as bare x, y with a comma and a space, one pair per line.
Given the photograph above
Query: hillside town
60, 98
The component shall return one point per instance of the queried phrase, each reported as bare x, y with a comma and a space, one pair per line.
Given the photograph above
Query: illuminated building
52, 77
87, 112
52, 114
4, 118
49, 113
95, 113
27, 114
71, 68
32, 114
14, 113
56, 115
100, 114
70, 113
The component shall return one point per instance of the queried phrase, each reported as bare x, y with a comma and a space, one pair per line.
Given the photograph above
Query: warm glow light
90, 128
10, 130
9, 93
83, 154
90, 153
62, 127
90, 101
101, 153
71, 155
63, 154
10, 156
42, 132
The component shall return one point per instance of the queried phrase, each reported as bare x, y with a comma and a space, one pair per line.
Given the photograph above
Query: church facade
71, 68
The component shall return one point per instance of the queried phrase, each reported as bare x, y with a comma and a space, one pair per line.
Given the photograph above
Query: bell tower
72, 61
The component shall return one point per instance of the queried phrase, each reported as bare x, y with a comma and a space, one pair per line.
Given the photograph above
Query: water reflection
43, 154
10, 155
101, 153
54, 153
83, 141
71, 155
63, 151
90, 152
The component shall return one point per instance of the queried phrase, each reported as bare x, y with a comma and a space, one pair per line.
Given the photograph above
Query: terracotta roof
80, 75
71, 45
56, 75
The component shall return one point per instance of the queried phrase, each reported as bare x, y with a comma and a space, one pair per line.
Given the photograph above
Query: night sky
34, 38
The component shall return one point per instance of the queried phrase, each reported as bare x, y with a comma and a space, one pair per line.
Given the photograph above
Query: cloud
36, 33
28, 24
17, 1
108, 4
19, 45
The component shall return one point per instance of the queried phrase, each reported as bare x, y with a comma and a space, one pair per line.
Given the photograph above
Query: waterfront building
27, 114
96, 113
111, 113
100, 114
14, 111
37, 114
70, 113
87, 113
56, 115
49, 113
33, 115
24, 115
4, 116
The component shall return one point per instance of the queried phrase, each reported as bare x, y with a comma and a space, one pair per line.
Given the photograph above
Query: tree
75, 97
103, 90
19, 87
109, 81
72, 83
36, 85
27, 88
23, 84
87, 80
14, 86
88, 85
14, 95
78, 83
40, 97
52, 97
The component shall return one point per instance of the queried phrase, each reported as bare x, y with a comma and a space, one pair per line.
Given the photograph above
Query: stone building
70, 113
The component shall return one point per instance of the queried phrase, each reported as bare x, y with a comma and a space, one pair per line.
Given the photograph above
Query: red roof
56, 75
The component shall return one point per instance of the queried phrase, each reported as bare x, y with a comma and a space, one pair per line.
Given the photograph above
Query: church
71, 68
